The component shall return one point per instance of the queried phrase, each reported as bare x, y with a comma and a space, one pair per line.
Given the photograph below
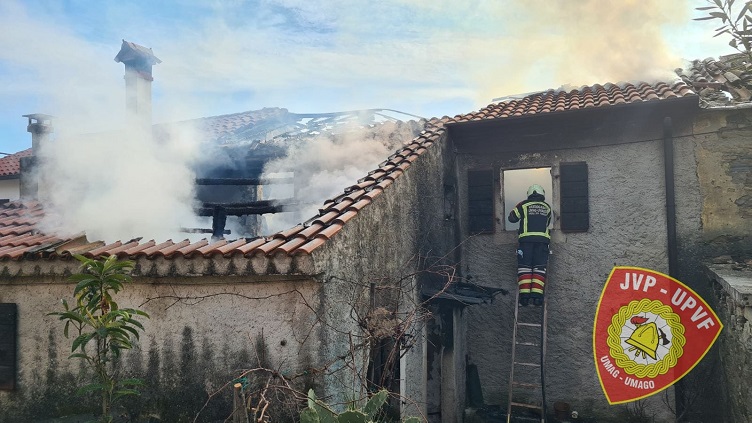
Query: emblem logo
650, 330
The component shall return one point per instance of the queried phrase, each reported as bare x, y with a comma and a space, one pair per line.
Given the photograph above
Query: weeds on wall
97, 322
379, 320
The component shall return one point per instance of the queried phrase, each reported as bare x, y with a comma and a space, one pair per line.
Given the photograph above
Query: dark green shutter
8, 335
480, 196
575, 211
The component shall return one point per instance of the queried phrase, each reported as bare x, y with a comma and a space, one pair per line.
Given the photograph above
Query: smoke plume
323, 166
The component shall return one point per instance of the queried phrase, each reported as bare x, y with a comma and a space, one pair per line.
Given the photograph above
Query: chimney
40, 126
138, 61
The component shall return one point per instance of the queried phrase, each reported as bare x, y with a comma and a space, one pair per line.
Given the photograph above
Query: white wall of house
9, 189
207, 340
627, 227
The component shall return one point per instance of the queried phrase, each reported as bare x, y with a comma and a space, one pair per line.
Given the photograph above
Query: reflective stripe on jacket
534, 216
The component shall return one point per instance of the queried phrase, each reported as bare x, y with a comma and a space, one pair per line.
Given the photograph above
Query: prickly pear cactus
353, 416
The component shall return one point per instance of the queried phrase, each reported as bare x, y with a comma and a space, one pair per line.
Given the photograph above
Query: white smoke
118, 185
325, 165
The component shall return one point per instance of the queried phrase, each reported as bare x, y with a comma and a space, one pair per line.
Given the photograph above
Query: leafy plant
99, 323
319, 412
737, 24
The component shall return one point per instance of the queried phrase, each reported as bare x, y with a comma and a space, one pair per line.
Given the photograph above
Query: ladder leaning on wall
526, 377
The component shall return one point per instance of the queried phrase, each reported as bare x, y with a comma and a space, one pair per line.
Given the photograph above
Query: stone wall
733, 289
724, 169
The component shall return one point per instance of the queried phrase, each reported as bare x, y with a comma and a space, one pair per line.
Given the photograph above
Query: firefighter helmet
644, 339
535, 189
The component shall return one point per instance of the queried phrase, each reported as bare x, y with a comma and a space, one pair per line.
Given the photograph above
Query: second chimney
138, 61
40, 127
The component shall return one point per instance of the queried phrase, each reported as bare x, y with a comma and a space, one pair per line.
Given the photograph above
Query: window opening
516, 183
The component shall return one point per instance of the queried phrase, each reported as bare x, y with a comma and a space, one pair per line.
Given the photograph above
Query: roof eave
684, 100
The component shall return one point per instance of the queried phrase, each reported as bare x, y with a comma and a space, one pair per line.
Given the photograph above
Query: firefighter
534, 215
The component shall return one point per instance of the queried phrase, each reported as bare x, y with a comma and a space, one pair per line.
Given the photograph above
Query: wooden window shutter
575, 211
480, 190
8, 336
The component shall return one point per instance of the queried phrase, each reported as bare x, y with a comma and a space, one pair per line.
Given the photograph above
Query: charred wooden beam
202, 231
243, 181
219, 219
252, 207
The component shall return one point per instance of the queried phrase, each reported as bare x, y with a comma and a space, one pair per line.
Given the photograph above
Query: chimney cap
132, 52
40, 118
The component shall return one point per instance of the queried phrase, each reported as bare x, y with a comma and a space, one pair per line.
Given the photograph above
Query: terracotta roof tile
251, 245
311, 230
188, 250
167, 252
119, 249
139, 249
308, 247
101, 250
230, 247
269, 246
11, 165
330, 230
289, 232
290, 246
211, 248
584, 97
159, 247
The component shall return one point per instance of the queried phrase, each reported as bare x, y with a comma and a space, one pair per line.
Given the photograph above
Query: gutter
668, 166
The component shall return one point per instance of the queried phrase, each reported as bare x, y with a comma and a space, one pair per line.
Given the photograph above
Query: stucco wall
393, 243
9, 189
627, 227
188, 350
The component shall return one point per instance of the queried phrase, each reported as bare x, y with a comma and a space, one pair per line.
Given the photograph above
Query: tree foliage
102, 326
736, 22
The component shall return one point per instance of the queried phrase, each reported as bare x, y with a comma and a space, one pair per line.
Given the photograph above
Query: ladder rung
521, 404
535, 325
526, 364
527, 385
529, 344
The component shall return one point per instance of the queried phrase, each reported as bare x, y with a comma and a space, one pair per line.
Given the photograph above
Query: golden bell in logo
644, 340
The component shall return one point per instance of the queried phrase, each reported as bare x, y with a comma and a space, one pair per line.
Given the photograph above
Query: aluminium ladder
529, 335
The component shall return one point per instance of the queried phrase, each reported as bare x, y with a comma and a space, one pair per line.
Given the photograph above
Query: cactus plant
318, 412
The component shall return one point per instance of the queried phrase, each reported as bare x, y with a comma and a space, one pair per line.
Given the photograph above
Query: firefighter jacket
534, 215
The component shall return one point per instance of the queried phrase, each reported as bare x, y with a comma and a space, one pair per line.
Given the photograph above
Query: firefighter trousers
532, 258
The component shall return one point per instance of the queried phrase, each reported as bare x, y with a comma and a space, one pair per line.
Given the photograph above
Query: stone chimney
138, 61
40, 127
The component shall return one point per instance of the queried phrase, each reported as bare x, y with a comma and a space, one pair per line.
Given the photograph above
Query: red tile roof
18, 236
585, 97
11, 165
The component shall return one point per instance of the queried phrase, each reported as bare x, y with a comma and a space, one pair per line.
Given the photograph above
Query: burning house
404, 275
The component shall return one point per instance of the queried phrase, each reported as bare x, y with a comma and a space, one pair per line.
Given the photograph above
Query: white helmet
535, 189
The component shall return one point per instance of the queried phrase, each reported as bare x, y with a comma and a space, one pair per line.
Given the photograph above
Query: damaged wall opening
515, 185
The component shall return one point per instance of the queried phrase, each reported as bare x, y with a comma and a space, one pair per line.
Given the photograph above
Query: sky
424, 57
